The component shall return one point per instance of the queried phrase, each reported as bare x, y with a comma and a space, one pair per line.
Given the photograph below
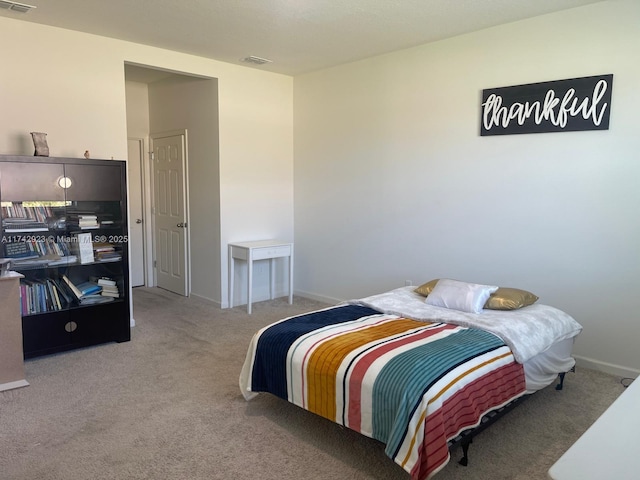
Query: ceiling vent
256, 60
16, 7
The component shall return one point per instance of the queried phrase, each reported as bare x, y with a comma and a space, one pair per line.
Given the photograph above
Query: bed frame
466, 437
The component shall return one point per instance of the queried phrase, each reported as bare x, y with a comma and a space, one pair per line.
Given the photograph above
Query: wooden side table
259, 250
11, 354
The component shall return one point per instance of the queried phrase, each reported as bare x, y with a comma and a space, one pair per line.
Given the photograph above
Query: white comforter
528, 331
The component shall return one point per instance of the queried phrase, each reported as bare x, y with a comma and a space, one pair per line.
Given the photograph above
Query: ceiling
299, 36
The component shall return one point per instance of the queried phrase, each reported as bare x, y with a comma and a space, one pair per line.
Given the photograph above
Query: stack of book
109, 287
105, 252
20, 225
87, 221
84, 221
87, 293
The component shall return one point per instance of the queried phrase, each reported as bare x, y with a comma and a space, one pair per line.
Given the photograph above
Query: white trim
209, 301
12, 385
610, 368
318, 298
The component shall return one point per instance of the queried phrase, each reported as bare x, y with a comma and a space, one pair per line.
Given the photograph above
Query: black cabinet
64, 227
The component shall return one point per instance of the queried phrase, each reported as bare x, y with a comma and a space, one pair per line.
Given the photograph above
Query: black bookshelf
64, 227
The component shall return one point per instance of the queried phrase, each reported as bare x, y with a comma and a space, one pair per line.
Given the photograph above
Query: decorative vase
40, 143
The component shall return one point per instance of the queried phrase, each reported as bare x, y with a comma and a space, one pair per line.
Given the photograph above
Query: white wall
71, 85
191, 103
394, 183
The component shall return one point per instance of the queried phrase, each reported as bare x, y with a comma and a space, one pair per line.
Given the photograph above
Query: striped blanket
410, 384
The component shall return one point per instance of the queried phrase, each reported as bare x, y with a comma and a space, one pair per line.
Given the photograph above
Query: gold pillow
509, 299
425, 288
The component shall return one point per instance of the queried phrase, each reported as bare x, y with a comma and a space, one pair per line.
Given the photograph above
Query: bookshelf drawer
45, 333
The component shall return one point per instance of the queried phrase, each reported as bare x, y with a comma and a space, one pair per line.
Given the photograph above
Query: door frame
185, 173
147, 271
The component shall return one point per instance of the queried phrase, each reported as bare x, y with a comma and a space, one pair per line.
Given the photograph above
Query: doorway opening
162, 106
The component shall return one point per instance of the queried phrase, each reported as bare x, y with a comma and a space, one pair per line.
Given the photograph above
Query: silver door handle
182, 225
139, 220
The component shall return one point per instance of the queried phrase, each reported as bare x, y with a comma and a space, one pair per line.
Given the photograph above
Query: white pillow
467, 297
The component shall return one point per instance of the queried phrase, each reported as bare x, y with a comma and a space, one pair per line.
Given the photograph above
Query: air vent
16, 7
255, 60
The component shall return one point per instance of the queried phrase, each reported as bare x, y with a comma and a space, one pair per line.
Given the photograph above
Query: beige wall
71, 85
394, 183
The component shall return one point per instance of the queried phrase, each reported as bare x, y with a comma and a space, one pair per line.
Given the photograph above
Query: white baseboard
207, 300
12, 385
318, 298
610, 368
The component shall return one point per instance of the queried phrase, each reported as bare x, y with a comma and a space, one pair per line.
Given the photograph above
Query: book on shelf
37, 296
39, 252
106, 252
103, 247
114, 257
26, 229
35, 261
23, 224
110, 294
54, 294
19, 250
95, 299
64, 291
110, 291
39, 213
50, 295
77, 293
85, 292
102, 280
88, 288
109, 286
82, 220
66, 260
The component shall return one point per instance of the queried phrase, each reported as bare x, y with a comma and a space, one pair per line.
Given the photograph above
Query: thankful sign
558, 106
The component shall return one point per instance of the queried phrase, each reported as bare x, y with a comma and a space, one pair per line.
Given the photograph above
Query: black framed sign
560, 106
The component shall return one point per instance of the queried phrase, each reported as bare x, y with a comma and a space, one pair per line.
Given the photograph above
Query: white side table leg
249, 280
291, 276
272, 277
231, 276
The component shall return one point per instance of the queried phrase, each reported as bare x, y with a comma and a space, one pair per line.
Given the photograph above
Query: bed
415, 369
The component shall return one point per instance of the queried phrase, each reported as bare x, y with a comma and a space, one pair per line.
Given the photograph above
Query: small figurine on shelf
86, 154
5, 267
40, 143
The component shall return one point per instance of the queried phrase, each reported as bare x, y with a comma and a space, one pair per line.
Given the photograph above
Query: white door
136, 210
170, 213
